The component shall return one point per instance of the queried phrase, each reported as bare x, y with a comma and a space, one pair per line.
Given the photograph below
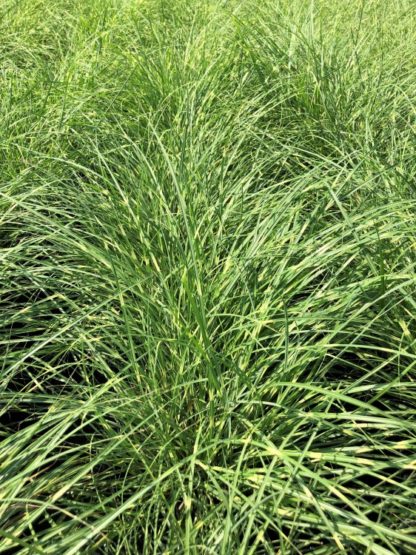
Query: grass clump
207, 277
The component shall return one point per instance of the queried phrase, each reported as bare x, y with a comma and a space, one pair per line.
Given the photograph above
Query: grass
207, 277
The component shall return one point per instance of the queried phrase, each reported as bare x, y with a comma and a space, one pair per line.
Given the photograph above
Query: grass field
207, 277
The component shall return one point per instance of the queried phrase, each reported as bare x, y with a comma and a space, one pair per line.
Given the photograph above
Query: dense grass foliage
207, 277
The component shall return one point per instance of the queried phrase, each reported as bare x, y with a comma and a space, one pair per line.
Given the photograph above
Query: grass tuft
207, 277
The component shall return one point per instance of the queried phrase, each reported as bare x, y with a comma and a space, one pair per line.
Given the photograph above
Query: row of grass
207, 277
